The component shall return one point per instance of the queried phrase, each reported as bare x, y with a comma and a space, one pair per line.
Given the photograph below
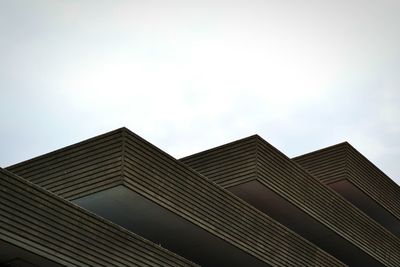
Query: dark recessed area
13, 256
292, 217
148, 219
365, 203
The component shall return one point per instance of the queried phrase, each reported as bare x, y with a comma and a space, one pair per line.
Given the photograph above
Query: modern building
117, 200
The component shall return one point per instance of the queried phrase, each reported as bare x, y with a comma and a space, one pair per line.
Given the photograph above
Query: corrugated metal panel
45, 224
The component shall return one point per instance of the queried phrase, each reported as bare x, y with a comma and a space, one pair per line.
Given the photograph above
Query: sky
191, 75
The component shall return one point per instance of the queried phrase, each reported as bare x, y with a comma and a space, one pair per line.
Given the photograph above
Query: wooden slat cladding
357, 169
166, 181
365, 175
288, 179
78, 169
45, 224
227, 165
328, 164
92, 165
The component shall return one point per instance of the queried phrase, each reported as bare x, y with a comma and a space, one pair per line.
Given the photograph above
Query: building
117, 200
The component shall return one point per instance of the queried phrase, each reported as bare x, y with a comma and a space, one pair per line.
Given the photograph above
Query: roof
121, 158
343, 162
254, 159
45, 224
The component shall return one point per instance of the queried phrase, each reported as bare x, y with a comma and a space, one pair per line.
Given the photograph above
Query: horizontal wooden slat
299, 187
43, 223
237, 164
72, 171
327, 165
171, 184
355, 168
373, 181
324, 204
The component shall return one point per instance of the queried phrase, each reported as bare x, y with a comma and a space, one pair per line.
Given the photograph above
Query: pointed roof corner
229, 164
342, 146
89, 165
344, 163
256, 169
302, 182
328, 164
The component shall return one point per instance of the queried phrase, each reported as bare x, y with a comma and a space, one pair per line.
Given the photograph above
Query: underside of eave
272, 165
171, 184
372, 181
74, 236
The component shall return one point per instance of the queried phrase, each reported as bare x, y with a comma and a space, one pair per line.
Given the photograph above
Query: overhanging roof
353, 176
239, 164
122, 159
50, 231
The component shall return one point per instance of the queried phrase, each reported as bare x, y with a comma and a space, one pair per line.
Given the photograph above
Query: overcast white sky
190, 75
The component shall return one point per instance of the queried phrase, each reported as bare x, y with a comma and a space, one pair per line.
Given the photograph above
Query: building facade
117, 200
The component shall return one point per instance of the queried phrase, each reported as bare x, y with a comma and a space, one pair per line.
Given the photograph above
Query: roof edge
341, 144
237, 141
62, 149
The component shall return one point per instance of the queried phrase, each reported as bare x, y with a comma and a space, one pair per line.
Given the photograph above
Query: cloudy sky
190, 75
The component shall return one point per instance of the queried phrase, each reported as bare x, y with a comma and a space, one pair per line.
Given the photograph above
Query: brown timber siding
45, 224
77, 170
235, 166
166, 181
299, 187
355, 168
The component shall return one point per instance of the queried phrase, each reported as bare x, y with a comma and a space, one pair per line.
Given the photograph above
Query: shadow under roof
353, 176
266, 178
124, 164
45, 230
